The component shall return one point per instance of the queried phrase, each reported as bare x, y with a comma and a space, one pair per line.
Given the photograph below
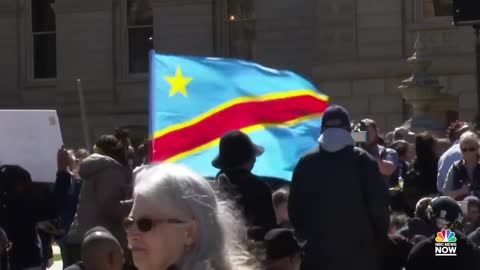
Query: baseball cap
335, 116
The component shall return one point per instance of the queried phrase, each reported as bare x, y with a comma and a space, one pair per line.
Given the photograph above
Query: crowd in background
372, 204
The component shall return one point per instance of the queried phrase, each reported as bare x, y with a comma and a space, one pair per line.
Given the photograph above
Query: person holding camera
23, 212
387, 159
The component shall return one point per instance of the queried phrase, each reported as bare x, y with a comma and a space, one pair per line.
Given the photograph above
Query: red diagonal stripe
238, 116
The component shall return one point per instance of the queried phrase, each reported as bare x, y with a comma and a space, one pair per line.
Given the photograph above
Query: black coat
339, 204
254, 197
396, 253
417, 226
20, 223
422, 256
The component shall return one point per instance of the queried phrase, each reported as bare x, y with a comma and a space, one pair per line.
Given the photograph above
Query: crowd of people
380, 203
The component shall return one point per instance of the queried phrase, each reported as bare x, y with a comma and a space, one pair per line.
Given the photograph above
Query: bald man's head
101, 250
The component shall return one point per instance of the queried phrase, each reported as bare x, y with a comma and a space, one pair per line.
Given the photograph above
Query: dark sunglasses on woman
146, 224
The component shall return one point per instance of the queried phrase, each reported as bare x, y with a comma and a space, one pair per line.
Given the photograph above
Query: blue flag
195, 100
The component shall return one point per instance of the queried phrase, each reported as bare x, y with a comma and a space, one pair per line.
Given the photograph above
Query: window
432, 8
426, 15
44, 45
140, 35
241, 28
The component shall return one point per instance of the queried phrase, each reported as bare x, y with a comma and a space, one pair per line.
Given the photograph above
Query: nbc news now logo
446, 243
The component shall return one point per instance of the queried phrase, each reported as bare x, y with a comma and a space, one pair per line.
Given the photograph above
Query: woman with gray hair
178, 223
463, 178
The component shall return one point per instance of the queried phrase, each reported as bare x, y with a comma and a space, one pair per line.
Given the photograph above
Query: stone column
10, 89
184, 27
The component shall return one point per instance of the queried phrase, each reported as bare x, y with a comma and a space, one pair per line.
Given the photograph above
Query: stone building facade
354, 50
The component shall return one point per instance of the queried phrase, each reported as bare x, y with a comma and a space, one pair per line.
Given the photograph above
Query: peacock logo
446, 236
446, 243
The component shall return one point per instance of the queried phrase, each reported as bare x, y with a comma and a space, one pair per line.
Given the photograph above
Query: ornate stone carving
423, 92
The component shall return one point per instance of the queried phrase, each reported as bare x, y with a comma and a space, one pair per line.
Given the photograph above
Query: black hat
236, 148
335, 116
281, 243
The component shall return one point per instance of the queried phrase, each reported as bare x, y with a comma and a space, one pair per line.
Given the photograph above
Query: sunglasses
471, 149
146, 224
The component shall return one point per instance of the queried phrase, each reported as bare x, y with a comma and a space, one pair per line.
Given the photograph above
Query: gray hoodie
106, 184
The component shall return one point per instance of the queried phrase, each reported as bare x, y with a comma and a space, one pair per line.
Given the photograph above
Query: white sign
31, 140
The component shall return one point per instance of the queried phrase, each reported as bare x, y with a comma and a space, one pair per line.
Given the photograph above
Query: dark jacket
254, 197
21, 220
401, 171
415, 227
427, 184
460, 177
422, 256
339, 204
420, 182
396, 253
69, 209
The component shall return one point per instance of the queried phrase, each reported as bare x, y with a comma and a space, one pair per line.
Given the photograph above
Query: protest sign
31, 139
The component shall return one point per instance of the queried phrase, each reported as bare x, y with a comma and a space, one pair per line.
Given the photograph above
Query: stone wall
361, 51
368, 98
9, 94
354, 50
284, 34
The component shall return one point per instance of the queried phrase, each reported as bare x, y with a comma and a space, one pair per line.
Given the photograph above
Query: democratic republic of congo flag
195, 100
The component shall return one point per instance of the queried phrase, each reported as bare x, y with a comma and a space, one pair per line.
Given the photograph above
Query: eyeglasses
471, 149
146, 224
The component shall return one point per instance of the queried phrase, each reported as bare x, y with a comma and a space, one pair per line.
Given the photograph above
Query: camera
359, 132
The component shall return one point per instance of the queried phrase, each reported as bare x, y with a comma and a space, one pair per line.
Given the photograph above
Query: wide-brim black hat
236, 148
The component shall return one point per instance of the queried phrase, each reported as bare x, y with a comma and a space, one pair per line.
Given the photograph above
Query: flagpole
83, 115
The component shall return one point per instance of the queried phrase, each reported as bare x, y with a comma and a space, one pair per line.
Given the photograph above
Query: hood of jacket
96, 163
335, 139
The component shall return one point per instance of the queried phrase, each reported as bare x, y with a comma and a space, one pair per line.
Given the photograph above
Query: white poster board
31, 139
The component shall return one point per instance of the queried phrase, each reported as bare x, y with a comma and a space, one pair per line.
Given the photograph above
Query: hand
64, 159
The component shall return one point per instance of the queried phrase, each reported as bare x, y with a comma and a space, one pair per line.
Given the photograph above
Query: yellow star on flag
178, 82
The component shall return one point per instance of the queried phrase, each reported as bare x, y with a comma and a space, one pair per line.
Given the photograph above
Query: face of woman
165, 243
469, 151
